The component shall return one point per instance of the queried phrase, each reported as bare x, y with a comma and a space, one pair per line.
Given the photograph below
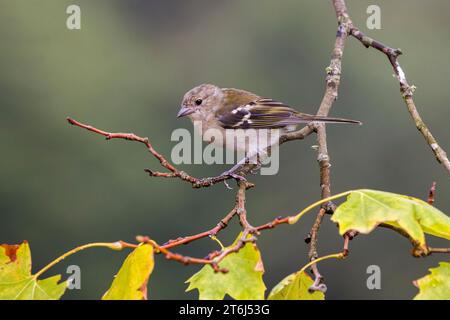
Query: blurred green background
127, 69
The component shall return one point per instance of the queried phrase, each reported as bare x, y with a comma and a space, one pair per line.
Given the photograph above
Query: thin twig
318, 284
313, 254
210, 233
331, 93
439, 250
406, 90
324, 165
214, 258
186, 260
248, 233
173, 172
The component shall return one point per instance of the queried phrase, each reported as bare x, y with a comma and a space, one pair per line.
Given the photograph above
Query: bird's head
200, 102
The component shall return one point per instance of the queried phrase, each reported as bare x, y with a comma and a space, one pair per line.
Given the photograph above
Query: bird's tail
310, 118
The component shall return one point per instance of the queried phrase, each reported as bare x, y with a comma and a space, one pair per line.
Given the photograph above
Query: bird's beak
184, 111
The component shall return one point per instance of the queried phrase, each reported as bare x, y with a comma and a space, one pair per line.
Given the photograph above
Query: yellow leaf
131, 281
16, 280
243, 281
295, 287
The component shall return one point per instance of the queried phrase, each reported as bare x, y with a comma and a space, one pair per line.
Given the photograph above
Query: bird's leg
257, 155
258, 164
233, 175
246, 160
232, 172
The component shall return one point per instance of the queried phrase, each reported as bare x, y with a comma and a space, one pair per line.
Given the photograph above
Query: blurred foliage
127, 69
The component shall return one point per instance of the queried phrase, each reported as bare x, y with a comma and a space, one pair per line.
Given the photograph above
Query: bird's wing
259, 114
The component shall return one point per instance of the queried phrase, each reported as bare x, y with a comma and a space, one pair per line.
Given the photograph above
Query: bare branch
173, 172
210, 233
331, 93
439, 250
406, 90
178, 257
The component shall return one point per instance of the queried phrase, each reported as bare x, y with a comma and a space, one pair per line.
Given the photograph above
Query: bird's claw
233, 175
256, 168
227, 185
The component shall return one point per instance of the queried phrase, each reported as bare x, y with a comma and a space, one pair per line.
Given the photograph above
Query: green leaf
295, 287
366, 209
16, 280
435, 286
131, 281
243, 281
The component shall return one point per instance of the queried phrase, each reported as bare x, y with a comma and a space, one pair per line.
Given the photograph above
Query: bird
228, 109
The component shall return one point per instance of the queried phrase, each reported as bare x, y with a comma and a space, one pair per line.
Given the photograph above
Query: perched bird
225, 109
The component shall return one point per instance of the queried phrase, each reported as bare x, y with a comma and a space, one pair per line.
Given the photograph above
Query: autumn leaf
436, 285
16, 280
130, 282
365, 209
243, 281
295, 287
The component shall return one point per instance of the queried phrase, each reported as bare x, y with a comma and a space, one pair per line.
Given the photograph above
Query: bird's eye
198, 102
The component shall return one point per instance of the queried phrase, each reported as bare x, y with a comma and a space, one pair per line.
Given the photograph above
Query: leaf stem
297, 217
339, 255
214, 238
118, 245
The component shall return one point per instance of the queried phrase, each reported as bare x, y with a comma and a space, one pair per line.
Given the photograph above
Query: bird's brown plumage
244, 110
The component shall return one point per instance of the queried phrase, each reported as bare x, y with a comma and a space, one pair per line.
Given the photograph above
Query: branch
331, 93
210, 233
248, 233
406, 90
345, 28
186, 260
318, 284
439, 250
214, 258
173, 172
